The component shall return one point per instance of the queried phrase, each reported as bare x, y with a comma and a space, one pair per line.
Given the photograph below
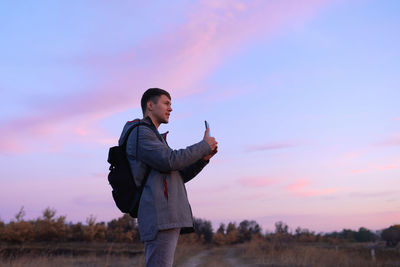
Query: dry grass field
257, 252
72, 254
50, 241
261, 253
85, 254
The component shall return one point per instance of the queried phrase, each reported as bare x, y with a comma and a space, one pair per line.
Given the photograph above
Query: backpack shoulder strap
136, 125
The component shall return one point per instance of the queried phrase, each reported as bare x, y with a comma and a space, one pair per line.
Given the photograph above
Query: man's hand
210, 140
212, 143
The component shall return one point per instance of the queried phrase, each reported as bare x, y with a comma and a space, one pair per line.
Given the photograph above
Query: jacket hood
130, 124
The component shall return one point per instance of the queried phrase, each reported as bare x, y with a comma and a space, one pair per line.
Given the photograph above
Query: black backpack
125, 192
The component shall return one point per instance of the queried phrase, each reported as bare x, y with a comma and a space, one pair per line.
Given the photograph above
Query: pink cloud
302, 188
387, 167
300, 184
177, 60
257, 181
375, 168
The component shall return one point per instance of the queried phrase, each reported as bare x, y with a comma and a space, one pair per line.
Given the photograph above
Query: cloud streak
302, 188
375, 168
266, 147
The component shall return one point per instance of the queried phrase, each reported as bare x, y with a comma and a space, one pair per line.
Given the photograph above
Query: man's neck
154, 120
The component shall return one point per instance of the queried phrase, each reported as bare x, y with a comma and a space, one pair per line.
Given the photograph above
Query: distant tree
244, 233
247, 229
364, 235
203, 229
231, 227
231, 233
281, 236
221, 229
305, 235
348, 234
391, 235
298, 231
281, 228
333, 237
49, 213
20, 215
254, 228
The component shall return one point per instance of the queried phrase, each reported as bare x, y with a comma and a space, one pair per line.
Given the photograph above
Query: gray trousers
160, 251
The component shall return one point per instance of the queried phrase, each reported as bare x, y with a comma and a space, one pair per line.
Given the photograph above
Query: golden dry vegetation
50, 241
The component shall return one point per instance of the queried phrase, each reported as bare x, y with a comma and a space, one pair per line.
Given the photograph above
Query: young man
164, 211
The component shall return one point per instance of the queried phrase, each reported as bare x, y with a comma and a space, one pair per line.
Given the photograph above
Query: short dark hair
152, 94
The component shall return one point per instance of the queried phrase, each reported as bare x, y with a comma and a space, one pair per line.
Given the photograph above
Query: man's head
156, 103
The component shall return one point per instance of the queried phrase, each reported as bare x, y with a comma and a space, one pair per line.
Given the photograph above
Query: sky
302, 97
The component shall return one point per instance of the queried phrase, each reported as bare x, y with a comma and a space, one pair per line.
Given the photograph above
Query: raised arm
159, 156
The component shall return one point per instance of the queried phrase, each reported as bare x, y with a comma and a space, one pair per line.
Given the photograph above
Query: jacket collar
149, 122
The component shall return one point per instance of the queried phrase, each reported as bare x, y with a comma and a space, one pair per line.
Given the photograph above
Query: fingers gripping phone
207, 127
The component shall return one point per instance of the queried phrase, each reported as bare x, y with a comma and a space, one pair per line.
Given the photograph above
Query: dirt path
215, 257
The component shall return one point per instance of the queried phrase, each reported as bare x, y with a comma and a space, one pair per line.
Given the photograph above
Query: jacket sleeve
191, 171
159, 156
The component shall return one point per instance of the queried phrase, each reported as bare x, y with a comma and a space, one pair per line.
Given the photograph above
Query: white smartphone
207, 127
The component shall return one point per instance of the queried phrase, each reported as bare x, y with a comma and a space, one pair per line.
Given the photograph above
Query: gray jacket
164, 203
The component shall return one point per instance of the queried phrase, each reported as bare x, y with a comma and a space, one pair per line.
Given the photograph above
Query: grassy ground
72, 254
86, 254
254, 253
261, 253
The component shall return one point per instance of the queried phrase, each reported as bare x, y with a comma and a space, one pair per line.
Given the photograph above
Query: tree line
50, 227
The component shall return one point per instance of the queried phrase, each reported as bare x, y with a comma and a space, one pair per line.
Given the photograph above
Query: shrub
391, 235
219, 239
18, 231
2, 227
75, 232
122, 230
49, 228
94, 231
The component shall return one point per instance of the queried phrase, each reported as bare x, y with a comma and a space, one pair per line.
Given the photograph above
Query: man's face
162, 109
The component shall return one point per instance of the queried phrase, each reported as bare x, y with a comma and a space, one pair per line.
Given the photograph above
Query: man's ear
150, 105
